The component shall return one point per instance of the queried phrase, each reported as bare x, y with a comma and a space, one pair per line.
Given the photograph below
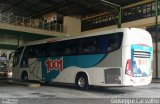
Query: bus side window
60, 49
115, 41
102, 44
32, 52
87, 45
40, 51
70, 47
52, 49
109, 42
67, 48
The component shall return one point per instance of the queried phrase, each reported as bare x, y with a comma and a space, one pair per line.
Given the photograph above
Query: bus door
31, 63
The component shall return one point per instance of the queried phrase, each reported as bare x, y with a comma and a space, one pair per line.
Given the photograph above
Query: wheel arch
82, 72
24, 72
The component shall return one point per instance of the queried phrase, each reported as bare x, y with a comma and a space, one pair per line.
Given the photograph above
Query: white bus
120, 57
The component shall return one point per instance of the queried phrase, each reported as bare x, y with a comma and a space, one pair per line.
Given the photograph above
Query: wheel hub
81, 82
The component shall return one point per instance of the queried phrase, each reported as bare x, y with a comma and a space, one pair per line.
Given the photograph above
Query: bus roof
50, 40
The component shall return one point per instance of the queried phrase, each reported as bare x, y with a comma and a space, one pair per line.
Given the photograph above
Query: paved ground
60, 94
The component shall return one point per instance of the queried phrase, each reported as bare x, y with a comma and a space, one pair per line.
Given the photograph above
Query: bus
119, 57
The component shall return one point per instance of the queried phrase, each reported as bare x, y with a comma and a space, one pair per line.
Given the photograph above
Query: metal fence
141, 11
30, 22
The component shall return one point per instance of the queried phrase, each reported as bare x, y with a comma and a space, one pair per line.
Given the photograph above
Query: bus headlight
10, 74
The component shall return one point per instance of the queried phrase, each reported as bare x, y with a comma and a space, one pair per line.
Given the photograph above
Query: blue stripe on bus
82, 61
139, 47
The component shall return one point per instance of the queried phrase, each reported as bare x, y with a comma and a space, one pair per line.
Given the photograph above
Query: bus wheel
82, 82
24, 76
47, 82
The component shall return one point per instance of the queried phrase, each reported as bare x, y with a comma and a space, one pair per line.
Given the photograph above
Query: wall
72, 25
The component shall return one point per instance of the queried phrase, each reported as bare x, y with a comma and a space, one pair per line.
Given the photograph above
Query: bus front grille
112, 76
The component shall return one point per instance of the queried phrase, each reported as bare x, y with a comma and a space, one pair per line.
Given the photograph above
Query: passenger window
70, 47
60, 48
87, 45
102, 44
109, 42
52, 49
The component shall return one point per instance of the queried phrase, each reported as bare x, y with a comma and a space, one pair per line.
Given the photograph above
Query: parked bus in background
5, 69
120, 57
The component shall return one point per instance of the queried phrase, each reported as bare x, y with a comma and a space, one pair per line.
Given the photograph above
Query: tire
47, 82
24, 77
82, 82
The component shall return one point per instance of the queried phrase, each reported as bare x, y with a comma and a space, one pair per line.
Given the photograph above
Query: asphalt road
62, 94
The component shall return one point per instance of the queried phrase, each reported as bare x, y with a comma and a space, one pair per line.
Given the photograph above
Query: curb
155, 81
28, 84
